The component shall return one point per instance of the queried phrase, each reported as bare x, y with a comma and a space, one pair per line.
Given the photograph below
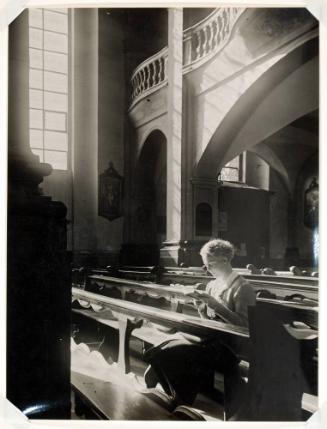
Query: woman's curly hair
218, 247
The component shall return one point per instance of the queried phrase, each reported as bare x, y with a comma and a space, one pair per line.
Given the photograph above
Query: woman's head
217, 255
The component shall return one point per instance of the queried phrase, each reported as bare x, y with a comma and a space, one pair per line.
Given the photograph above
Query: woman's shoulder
212, 284
242, 287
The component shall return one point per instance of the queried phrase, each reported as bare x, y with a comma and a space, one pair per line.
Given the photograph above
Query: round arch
262, 110
150, 196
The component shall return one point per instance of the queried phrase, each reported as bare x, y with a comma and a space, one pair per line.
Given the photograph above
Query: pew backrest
283, 362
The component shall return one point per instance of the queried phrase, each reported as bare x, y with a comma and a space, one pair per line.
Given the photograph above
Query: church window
48, 86
232, 171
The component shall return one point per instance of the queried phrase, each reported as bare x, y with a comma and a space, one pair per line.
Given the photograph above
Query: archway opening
150, 201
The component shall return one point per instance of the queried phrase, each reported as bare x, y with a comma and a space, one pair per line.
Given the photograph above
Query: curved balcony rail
210, 35
150, 74
200, 42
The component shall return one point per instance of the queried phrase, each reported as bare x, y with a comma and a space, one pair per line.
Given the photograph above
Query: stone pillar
170, 253
112, 126
85, 134
38, 270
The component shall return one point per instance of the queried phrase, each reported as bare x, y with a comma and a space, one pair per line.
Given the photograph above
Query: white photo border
10, 417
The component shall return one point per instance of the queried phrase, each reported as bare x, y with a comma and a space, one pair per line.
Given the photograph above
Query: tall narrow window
48, 85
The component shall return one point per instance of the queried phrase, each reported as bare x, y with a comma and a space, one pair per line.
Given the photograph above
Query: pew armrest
184, 412
309, 403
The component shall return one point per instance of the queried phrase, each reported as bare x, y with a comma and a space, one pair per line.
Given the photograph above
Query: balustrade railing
150, 74
209, 35
201, 41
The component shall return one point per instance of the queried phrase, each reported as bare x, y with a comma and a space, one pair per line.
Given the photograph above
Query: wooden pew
173, 297
284, 362
151, 294
132, 319
281, 286
108, 310
283, 339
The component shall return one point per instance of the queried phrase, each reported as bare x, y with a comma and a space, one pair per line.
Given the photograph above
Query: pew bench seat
112, 401
103, 392
291, 329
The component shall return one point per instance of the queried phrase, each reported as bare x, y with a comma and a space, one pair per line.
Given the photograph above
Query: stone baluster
138, 83
165, 67
148, 75
160, 69
219, 29
142, 76
187, 49
154, 73
205, 40
145, 76
152, 66
133, 88
198, 47
212, 36
225, 24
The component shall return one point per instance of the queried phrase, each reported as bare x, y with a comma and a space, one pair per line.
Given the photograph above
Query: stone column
85, 133
38, 271
170, 253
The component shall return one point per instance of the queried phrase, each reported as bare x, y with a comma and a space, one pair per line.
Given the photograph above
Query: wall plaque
110, 193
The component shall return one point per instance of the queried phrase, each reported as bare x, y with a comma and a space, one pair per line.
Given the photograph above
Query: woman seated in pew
184, 368
229, 295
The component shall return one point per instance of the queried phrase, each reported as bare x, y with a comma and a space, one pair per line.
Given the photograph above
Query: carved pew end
253, 269
296, 271
268, 271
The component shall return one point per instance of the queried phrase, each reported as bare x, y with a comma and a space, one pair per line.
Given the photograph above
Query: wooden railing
209, 36
150, 75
